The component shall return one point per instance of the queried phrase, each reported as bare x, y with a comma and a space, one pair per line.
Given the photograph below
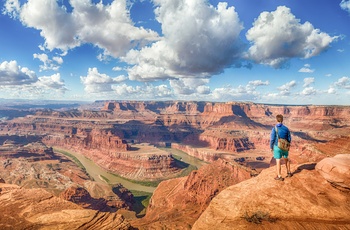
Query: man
283, 132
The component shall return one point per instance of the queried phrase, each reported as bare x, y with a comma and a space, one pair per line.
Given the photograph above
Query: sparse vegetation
258, 217
144, 183
104, 178
141, 202
71, 157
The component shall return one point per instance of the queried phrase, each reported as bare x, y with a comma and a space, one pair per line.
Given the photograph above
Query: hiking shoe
279, 178
289, 174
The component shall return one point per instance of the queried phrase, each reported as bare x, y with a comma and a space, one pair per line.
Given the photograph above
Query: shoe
279, 178
289, 174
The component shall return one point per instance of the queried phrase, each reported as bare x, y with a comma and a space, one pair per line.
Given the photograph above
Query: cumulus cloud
199, 40
11, 74
286, 88
96, 82
107, 26
48, 64
278, 36
51, 82
308, 91
256, 83
146, 92
308, 81
246, 93
21, 82
188, 86
306, 69
345, 5
331, 90
343, 82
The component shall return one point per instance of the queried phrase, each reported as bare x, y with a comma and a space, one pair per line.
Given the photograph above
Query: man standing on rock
280, 131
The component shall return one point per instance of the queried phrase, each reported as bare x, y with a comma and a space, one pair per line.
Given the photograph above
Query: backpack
283, 144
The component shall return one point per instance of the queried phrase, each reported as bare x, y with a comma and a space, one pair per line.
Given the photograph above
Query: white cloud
328, 75
258, 83
343, 82
245, 93
51, 82
11, 74
96, 82
308, 81
308, 91
285, 89
188, 86
306, 69
345, 5
199, 40
49, 64
145, 92
11, 7
278, 36
331, 90
17, 81
117, 68
107, 26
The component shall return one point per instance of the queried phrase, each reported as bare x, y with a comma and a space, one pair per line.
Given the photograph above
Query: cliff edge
316, 197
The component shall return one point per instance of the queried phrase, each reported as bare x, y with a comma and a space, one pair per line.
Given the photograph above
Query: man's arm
272, 138
289, 136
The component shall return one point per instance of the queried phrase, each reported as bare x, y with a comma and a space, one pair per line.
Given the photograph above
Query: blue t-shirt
283, 133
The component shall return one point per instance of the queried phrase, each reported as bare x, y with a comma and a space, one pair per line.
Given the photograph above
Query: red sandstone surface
308, 200
23, 208
177, 203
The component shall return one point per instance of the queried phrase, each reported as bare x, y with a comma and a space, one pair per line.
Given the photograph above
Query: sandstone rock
37, 209
177, 203
336, 170
81, 196
304, 201
2, 180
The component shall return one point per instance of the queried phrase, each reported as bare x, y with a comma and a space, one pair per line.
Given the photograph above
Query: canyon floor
171, 165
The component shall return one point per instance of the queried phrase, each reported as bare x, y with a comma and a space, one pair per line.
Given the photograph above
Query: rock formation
34, 165
22, 208
207, 130
308, 200
336, 171
177, 203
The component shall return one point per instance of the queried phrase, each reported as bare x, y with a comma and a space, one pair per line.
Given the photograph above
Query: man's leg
278, 167
287, 164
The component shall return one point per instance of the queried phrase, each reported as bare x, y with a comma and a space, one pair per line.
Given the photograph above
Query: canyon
133, 140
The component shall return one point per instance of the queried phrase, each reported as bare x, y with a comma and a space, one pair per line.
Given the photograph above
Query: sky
261, 51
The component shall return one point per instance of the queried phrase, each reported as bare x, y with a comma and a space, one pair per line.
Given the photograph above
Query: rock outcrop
22, 208
305, 201
336, 171
177, 203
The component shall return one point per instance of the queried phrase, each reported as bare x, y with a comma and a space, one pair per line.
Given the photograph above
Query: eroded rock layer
308, 200
186, 198
22, 208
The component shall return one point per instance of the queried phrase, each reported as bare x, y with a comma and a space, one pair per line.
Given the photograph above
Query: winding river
98, 173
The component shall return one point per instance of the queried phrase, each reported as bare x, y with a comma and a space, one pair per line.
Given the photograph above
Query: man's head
279, 118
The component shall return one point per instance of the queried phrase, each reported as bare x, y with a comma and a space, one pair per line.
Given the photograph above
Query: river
97, 172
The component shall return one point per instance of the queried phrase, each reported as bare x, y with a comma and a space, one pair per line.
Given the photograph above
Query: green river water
99, 173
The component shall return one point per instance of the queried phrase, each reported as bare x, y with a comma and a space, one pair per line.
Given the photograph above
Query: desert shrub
258, 217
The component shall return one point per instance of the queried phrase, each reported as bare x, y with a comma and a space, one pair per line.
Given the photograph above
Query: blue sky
264, 51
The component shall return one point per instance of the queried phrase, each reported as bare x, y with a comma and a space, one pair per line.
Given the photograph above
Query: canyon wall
203, 129
177, 203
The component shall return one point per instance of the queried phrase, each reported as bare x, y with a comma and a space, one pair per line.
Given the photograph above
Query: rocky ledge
22, 208
313, 198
